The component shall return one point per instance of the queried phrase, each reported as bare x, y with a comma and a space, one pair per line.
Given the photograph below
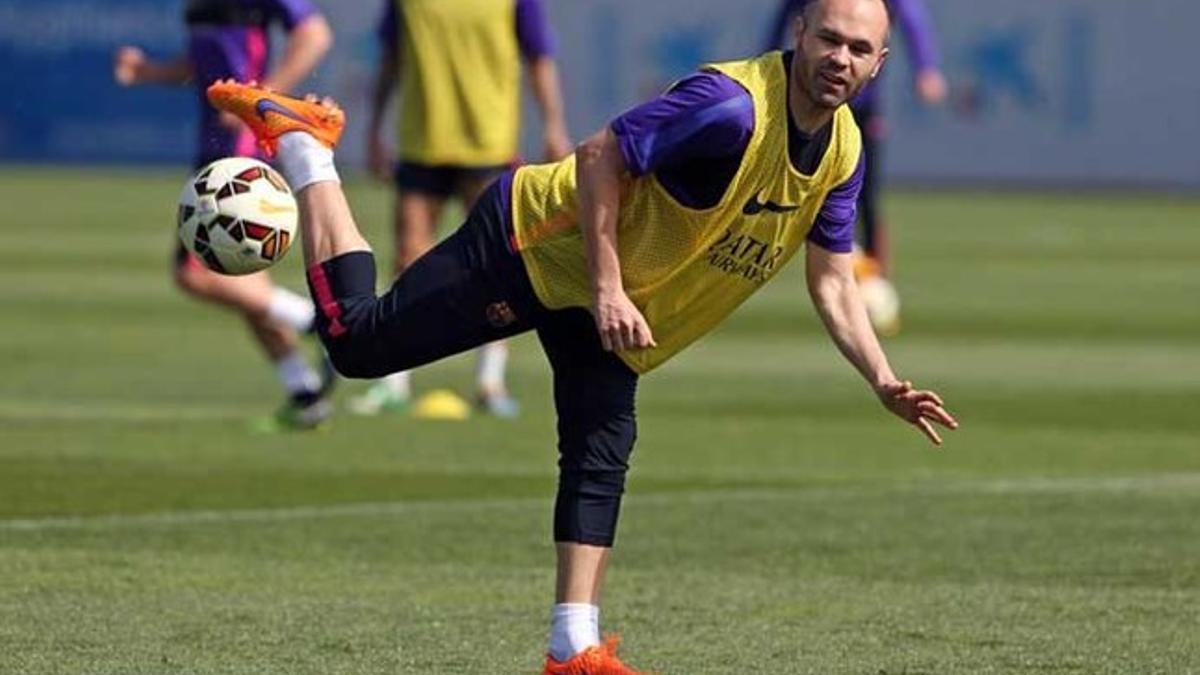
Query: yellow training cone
441, 404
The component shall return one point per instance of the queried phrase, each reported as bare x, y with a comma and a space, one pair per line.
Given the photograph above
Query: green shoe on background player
379, 398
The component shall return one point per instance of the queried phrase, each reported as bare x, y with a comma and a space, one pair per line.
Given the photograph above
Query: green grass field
778, 519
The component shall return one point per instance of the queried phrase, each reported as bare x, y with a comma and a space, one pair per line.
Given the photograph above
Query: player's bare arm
547, 90
307, 44
387, 77
132, 68
598, 170
835, 295
930, 85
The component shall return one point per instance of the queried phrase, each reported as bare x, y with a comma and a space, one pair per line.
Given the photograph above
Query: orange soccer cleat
600, 660
270, 114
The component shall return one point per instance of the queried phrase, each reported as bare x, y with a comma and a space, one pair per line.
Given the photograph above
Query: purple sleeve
834, 229
777, 33
913, 17
388, 31
290, 12
707, 115
533, 30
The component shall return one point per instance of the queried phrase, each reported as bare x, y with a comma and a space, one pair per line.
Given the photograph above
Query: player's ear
798, 27
883, 54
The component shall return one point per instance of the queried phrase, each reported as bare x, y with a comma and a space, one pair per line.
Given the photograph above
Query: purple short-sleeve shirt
231, 39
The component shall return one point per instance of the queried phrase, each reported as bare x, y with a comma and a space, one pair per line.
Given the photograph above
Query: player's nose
841, 56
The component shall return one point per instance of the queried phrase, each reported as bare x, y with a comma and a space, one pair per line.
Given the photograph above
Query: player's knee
603, 443
350, 358
591, 483
355, 349
354, 368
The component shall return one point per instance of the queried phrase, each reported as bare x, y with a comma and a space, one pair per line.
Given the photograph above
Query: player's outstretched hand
127, 66
620, 323
917, 407
931, 86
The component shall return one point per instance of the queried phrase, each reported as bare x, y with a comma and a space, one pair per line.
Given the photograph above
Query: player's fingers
946, 419
634, 337
925, 395
927, 429
931, 406
628, 334
927, 406
647, 334
938, 414
605, 343
641, 335
617, 337
614, 341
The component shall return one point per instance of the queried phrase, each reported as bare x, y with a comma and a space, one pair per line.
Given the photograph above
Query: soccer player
229, 38
458, 66
929, 84
619, 256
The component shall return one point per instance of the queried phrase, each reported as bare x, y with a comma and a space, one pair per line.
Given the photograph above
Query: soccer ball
237, 215
883, 304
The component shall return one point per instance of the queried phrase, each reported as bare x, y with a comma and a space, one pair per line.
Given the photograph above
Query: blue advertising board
60, 102
1040, 92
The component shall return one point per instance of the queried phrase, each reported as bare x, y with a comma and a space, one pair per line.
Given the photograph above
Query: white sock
398, 384
291, 309
296, 375
304, 160
574, 626
489, 369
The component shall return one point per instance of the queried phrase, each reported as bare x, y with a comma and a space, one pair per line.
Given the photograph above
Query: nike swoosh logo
755, 207
267, 207
266, 105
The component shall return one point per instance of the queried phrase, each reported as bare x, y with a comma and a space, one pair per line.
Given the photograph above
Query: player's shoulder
712, 99
709, 83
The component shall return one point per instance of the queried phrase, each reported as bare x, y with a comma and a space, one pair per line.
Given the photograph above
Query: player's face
840, 47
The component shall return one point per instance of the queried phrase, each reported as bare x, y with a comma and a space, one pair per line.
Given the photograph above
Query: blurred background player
874, 267
230, 38
457, 65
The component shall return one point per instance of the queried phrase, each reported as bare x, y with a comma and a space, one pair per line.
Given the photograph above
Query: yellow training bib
460, 81
688, 269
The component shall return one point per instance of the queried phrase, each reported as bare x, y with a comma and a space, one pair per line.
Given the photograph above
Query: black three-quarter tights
471, 289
